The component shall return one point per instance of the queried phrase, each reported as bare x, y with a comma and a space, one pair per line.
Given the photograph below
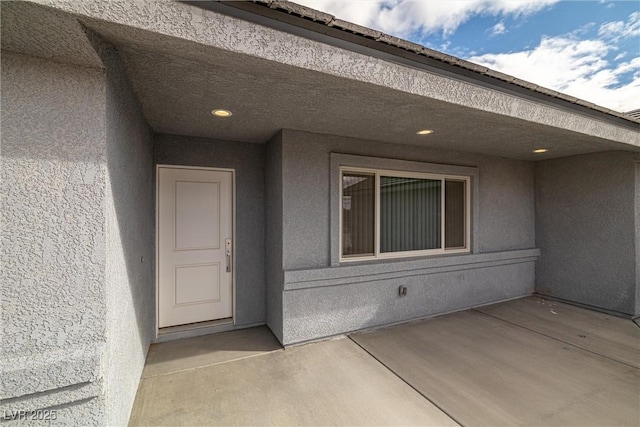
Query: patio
527, 362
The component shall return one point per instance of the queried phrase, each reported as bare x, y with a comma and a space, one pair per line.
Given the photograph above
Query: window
387, 214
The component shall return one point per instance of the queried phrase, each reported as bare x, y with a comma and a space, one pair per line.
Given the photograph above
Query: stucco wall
130, 244
248, 161
505, 194
585, 222
637, 208
78, 303
324, 302
273, 238
320, 300
53, 237
203, 28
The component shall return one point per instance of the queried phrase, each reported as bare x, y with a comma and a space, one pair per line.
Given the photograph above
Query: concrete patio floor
526, 362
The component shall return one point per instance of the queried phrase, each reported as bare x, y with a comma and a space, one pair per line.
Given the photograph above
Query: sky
586, 49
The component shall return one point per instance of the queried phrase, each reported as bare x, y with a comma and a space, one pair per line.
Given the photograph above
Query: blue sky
587, 49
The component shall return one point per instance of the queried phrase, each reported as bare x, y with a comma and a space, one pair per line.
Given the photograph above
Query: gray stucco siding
637, 215
77, 193
585, 222
273, 237
130, 241
248, 160
503, 211
370, 300
79, 308
322, 297
53, 236
204, 28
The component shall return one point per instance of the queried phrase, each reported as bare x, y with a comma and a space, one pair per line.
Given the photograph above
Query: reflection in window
386, 213
454, 213
358, 214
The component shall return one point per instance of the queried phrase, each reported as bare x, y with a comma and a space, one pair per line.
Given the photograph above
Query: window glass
392, 214
358, 214
410, 214
454, 212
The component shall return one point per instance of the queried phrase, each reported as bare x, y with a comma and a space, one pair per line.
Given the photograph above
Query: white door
195, 227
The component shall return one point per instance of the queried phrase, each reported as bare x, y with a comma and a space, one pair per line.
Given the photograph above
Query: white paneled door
195, 230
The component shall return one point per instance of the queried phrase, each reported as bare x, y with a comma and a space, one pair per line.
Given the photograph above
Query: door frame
157, 247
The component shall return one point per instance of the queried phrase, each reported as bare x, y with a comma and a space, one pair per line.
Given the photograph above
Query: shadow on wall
80, 179
129, 238
316, 312
130, 207
52, 275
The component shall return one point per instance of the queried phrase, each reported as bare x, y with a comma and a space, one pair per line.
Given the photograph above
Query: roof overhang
274, 72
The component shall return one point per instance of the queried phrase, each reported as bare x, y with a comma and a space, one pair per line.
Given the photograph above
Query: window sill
384, 269
403, 256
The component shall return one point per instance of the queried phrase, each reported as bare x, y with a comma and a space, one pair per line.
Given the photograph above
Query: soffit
179, 81
177, 95
304, 20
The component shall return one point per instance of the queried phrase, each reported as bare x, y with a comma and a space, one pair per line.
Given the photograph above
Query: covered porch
97, 96
530, 361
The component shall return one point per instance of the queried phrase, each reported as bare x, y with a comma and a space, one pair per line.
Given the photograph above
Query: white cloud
617, 30
620, 56
609, 5
577, 67
362, 12
403, 17
555, 63
498, 29
568, 63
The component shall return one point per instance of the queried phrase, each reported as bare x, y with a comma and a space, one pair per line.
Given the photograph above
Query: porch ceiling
177, 95
179, 82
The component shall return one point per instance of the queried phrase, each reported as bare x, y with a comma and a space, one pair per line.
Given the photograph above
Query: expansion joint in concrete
406, 382
212, 364
556, 339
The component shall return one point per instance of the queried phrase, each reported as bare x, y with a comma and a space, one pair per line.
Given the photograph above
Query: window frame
377, 172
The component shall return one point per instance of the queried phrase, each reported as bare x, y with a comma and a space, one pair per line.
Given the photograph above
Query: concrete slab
327, 383
606, 335
485, 371
190, 353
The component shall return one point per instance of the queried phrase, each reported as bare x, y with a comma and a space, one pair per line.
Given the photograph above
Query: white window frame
406, 174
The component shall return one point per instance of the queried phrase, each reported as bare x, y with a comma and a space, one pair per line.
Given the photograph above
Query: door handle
227, 247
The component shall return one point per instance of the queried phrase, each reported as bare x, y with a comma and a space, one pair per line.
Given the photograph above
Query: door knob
227, 247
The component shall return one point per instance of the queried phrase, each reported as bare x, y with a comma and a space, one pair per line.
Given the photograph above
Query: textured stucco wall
637, 208
585, 222
505, 206
504, 225
325, 302
130, 244
78, 305
53, 237
205, 28
273, 238
248, 161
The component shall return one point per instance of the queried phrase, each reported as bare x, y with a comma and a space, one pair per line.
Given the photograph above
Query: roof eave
282, 14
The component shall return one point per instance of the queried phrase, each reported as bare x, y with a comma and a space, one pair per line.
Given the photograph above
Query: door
195, 228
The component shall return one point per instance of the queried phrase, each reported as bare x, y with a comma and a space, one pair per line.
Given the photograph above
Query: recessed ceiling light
424, 132
221, 113
540, 150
